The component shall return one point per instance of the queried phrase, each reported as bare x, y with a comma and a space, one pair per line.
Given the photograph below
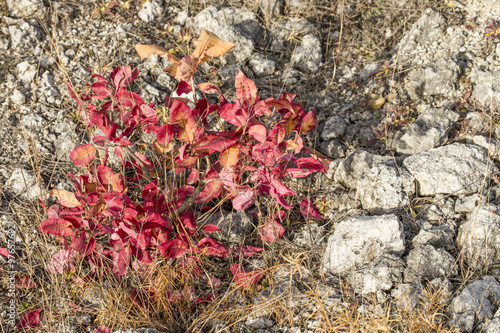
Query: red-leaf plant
241, 162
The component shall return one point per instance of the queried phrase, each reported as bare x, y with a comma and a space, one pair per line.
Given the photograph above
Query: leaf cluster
127, 218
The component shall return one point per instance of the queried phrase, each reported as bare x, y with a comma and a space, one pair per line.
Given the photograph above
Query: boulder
457, 169
428, 131
479, 237
358, 240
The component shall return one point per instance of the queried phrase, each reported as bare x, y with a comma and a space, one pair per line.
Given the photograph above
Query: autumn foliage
130, 214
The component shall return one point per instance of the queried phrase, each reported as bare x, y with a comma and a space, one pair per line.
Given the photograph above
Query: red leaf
246, 90
194, 176
83, 155
25, 282
209, 246
183, 88
56, 226
73, 95
110, 180
174, 248
211, 143
164, 134
187, 220
210, 228
211, 191
123, 76
181, 118
30, 320
247, 250
245, 278
308, 210
272, 230
101, 90
234, 114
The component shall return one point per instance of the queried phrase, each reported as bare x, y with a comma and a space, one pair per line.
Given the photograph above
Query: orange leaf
229, 157
175, 71
66, 198
144, 51
219, 50
82, 155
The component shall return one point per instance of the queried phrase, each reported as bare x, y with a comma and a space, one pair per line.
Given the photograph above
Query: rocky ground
406, 94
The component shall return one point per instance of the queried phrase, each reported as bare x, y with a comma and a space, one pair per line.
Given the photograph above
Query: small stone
150, 10
307, 55
334, 128
261, 65
17, 97
26, 8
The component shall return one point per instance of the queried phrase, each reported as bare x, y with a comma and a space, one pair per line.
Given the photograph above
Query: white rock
428, 131
383, 188
479, 237
23, 182
26, 72
307, 55
479, 298
359, 240
26, 8
149, 11
353, 166
17, 97
456, 169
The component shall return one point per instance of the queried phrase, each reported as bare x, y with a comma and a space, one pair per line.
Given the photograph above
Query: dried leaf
65, 198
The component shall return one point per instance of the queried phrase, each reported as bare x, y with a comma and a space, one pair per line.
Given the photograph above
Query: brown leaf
66, 199
219, 50
174, 70
188, 67
144, 51
206, 42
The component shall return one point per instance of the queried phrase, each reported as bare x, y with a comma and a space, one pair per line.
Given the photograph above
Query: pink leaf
61, 261
245, 278
246, 90
121, 260
210, 228
243, 200
209, 246
4, 252
308, 210
30, 320
56, 226
272, 230
194, 176
258, 132
83, 155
